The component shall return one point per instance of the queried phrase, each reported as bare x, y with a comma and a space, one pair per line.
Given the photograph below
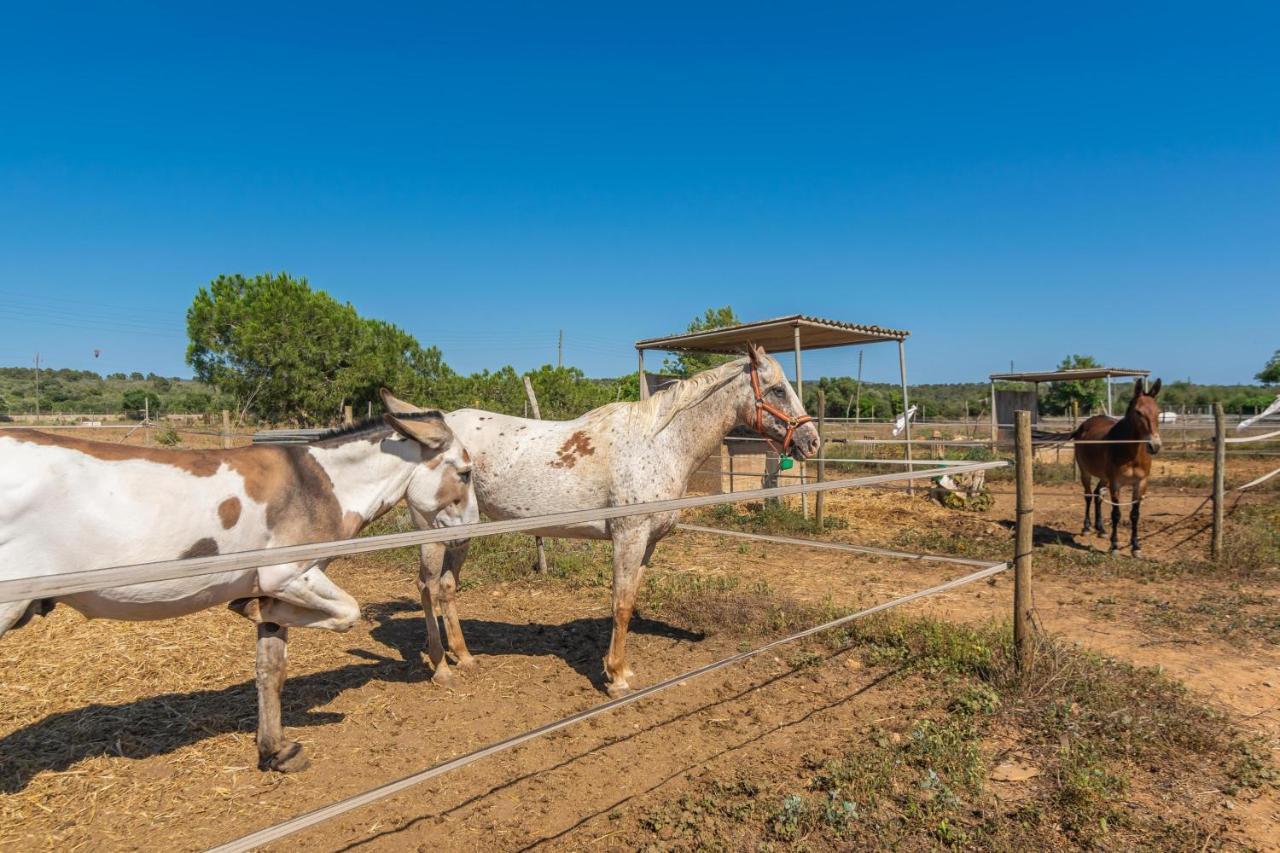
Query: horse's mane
370, 426
656, 413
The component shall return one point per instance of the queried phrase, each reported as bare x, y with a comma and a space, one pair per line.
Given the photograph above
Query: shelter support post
1108, 396
644, 385
906, 405
819, 500
804, 498
995, 429
1025, 526
1219, 477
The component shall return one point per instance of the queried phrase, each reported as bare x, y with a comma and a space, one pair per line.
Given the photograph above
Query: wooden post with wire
819, 501
541, 565
226, 429
1025, 527
1219, 477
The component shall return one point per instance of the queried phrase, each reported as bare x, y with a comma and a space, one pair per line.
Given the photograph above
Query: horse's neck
370, 475
697, 432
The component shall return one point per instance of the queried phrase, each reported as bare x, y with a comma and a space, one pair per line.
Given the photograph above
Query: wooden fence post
1025, 527
541, 565
226, 429
1219, 476
819, 501
348, 417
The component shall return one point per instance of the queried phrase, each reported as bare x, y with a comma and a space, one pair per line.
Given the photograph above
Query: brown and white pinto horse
67, 504
1118, 465
622, 453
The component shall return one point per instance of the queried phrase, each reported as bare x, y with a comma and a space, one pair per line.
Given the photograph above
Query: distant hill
86, 392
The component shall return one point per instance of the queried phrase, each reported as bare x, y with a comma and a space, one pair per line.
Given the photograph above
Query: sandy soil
141, 735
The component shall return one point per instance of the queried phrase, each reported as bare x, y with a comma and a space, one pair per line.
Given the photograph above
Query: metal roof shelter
1077, 374
795, 332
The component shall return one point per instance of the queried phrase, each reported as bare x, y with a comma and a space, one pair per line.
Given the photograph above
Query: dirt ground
125, 736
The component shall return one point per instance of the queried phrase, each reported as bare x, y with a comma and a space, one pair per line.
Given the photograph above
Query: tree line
274, 350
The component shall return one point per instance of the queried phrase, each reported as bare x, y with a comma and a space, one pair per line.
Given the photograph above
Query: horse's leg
1139, 489
454, 557
1085, 480
274, 752
630, 544
1097, 509
1113, 489
430, 562
308, 600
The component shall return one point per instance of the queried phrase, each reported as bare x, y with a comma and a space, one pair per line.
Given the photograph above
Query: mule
67, 504
622, 453
1119, 465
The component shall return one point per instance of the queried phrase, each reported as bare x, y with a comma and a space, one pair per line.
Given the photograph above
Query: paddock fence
32, 588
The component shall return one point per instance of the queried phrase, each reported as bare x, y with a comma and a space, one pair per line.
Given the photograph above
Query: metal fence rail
51, 586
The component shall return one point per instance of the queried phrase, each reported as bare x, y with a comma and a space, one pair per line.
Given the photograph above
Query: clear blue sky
1007, 183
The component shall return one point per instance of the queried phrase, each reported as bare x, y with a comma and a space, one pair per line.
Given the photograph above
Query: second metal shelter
1081, 374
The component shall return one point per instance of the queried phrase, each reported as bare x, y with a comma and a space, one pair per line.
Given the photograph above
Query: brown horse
1117, 465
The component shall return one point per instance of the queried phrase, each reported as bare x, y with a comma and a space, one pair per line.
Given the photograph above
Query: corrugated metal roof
1075, 374
776, 335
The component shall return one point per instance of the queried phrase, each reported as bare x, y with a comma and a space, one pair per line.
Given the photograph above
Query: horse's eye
465, 477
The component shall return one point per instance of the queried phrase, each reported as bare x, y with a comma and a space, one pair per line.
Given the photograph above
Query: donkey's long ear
1155, 389
395, 405
755, 353
431, 433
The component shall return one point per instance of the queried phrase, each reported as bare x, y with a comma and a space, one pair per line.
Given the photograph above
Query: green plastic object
785, 463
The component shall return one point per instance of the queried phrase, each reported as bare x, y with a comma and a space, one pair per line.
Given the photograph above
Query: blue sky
1008, 183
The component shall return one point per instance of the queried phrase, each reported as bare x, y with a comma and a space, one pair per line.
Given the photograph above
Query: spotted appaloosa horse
623, 453
67, 505
1127, 463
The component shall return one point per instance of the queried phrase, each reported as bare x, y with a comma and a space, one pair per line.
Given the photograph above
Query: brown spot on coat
287, 479
205, 547
229, 512
575, 447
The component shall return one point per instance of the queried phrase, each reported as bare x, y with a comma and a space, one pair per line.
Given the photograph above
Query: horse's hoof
628, 674
466, 664
618, 689
442, 678
1115, 549
1137, 553
289, 759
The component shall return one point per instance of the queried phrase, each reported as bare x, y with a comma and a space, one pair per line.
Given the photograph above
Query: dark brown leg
1088, 499
1097, 509
1113, 489
274, 752
1134, 515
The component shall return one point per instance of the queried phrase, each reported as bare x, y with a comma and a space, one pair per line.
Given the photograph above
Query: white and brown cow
68, 504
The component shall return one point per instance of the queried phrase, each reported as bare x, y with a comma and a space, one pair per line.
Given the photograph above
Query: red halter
761, 407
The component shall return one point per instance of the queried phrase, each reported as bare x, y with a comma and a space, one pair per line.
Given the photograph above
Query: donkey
124, 505
622, 453
1117, 465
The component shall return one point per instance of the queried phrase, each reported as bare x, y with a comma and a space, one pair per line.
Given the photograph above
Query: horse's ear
395, 405
1155, 389
755, 353
431, 433
1139, 387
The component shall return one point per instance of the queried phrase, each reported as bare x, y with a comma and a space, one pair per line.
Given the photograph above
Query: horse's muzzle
1154, 444
806, 442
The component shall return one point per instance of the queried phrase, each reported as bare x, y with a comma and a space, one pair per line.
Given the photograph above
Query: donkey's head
772, 408
440, 488
1144, 413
